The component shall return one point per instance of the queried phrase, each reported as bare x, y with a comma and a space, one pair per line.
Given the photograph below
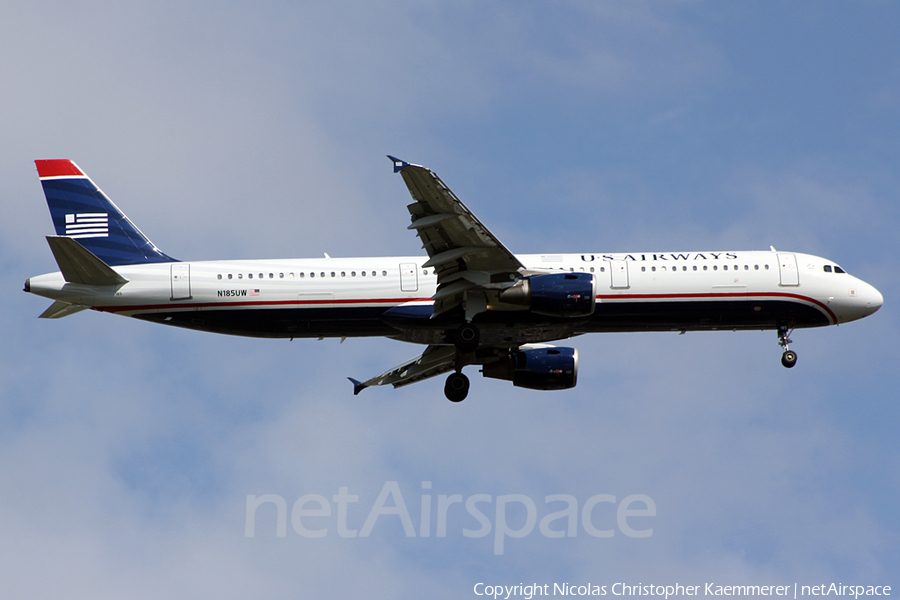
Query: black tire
467, 337
789, 359
457, 387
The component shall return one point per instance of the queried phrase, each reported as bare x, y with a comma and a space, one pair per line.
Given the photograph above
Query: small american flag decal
87, 225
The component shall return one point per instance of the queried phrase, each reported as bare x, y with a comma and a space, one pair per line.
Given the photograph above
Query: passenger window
352, 273
828, 268
363, 273
219, 276
643, 268
715, 267
312, 274
281, 276
332, 273
250, 276
756, 267
384, 273
746, 267
240, 275
695, 267
230, 276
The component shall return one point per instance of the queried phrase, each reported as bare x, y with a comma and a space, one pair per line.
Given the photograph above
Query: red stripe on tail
57, 167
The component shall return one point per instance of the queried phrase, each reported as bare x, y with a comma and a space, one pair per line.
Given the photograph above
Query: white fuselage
644, 291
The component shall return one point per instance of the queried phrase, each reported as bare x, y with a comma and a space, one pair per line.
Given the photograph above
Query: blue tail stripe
80, 210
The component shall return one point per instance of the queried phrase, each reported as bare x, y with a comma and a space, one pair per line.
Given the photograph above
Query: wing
434, 361
468, 259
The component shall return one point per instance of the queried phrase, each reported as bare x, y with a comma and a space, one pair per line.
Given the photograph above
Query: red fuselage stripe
179, 305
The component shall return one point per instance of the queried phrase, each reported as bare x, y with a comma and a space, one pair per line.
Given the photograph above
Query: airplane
470, 301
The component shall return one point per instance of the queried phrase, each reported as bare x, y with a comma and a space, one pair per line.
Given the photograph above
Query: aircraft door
409, 277
618, 271
181, 281
787, 269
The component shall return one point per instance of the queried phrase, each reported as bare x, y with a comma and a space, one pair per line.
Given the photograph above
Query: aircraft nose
874, 299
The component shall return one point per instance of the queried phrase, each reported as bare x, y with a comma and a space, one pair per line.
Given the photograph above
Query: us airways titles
662, 256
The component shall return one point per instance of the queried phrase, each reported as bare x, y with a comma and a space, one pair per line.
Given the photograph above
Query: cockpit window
828, 268
837, 269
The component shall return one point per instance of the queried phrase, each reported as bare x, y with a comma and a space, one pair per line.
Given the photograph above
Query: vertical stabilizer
80, 210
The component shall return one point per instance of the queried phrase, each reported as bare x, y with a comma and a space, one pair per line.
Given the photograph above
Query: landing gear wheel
457, 387
789, 358
467, 337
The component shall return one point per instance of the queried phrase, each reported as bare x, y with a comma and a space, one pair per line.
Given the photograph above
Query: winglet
398, 164
358, 386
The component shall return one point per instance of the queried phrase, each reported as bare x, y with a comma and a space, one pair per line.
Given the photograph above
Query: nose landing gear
789, 358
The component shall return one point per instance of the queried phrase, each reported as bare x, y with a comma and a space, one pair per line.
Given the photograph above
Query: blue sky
225, 130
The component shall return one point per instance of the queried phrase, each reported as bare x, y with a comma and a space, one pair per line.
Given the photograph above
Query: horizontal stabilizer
80, 265
58, 310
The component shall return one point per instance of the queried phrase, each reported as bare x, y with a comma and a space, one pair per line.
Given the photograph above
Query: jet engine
554, 294
546, 368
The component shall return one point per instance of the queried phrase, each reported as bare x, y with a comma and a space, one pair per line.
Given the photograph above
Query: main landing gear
789, 358
465, 338
457, 387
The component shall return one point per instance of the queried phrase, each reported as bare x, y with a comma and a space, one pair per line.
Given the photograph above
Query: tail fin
82, 211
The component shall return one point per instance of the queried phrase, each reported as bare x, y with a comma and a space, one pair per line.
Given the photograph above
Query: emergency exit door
618, 271
409, 277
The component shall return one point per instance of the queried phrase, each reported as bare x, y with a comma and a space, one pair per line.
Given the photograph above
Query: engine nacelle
546, 368
555, 294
